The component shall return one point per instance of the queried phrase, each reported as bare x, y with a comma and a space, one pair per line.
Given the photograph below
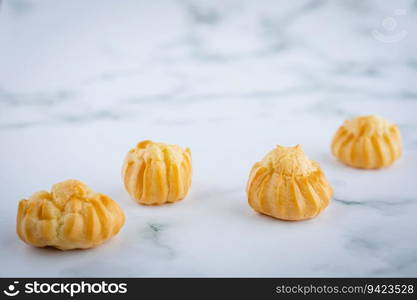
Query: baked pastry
286, 185
71, 216
157, 173
368, 142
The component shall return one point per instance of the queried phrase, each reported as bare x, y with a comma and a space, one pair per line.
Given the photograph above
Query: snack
286, 185
71, 216
157, 173
368, 142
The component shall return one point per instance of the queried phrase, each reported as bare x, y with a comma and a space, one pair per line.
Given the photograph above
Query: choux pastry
286, 185
71, 216
368, 142
157, 173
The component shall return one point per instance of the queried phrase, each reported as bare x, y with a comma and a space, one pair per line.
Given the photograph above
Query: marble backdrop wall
81, 82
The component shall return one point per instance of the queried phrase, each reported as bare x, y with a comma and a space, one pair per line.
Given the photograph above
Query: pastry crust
368, 142
157, 173
286, 185
71, 216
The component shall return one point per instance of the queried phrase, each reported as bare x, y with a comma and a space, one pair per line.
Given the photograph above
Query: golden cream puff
71, 216
157, 173
286, 185
368, 142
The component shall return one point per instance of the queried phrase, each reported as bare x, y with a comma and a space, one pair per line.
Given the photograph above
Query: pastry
286, 185
71, 216
157, 173
368, 142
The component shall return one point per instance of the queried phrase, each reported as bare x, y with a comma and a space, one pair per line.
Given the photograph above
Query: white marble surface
82, 81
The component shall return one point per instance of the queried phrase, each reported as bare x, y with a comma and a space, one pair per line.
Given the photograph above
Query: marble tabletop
81, 82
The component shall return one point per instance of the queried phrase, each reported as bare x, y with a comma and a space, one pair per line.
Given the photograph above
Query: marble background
81, 82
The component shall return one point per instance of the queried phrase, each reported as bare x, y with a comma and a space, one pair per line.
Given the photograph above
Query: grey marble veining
82, 81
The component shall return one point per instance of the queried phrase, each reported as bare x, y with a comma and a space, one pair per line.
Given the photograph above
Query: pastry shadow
50, 250
283, 221
121, 196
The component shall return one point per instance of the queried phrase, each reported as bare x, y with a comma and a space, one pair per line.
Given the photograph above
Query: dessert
368, 142
157, 173
286, 185
71, 216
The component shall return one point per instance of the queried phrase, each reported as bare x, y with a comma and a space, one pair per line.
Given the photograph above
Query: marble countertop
81, 82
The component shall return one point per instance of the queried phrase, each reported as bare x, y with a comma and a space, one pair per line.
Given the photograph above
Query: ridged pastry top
367, 126
68, 190
149, 150
289, 161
